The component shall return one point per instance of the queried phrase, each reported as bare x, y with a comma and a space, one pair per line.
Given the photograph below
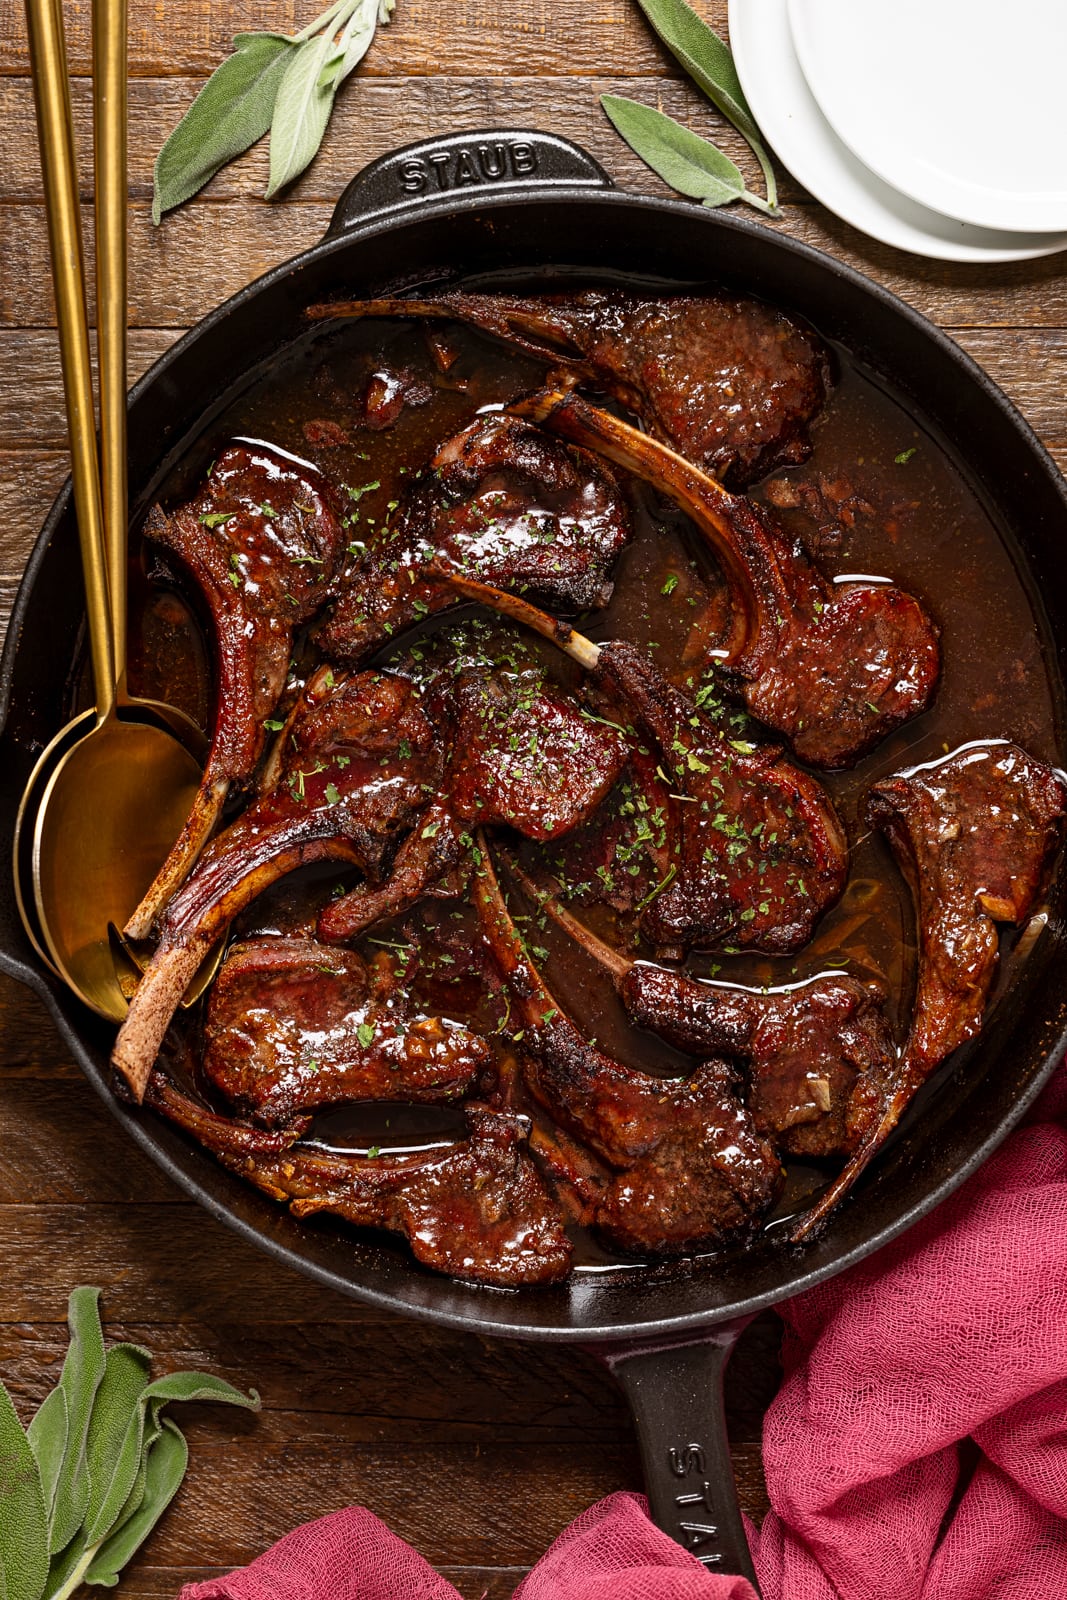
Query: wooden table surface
477, 1453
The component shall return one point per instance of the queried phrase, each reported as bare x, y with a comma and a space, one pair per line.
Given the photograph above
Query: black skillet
527, 203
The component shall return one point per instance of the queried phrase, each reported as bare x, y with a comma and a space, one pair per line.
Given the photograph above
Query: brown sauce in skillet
879, 496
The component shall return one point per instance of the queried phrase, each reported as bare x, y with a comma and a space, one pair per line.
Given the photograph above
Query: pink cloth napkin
956, 1332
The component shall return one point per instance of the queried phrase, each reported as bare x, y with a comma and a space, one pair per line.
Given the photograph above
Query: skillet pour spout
552, 218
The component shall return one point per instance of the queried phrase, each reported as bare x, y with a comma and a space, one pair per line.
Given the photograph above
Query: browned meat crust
688, 1169
974, 836
759, 853
293, 1024
508, 504
835, 667
477, 1210
261, 540
820, 1053
360, 762
729, 381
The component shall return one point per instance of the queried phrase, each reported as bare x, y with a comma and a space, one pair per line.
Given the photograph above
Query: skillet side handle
675, 1392
472, 165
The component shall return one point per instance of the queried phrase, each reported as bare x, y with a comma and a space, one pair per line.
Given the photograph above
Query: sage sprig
283, 83
690, 164
85, 1483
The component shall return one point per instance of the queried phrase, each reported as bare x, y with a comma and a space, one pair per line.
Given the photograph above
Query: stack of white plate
938, 126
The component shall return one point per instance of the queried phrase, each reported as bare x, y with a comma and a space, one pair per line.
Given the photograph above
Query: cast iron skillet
526, 203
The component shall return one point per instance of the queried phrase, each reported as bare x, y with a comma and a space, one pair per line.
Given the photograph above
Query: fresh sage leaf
301, 112
682, 158
47, 1434
232, 111
79, 1381
708, 61
164, 1470
127, 1452
23, 1518
101, 1450
353, 44
67, 1569
127, 1373
286, 84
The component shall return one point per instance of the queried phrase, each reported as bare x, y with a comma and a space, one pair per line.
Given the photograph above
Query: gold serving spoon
109, 794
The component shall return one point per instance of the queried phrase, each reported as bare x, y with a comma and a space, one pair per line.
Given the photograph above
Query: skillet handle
675, 1392
509, 160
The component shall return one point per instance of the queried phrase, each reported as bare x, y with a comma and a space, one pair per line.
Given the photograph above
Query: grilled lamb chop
731, 383
819, 1052
292, 1025
477, 1210
261, 539
974, 836
688, 1168
508, 504
834, 667
361, 762
758, 853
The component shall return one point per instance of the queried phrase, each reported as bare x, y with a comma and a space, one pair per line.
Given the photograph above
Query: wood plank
30, 1046
380, 117
378, 1382
424, 39
207, 251
32, 413
458, 1505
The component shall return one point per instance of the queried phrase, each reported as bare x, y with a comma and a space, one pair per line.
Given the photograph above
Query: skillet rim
186, 1164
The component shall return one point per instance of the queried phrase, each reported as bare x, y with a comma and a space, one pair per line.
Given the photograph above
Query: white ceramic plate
958, 103
800, 135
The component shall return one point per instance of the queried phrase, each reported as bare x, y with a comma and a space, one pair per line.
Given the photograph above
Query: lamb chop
503, 501
261, 539
758, 852
819, 1052
477, 1210
687, 1167
834, 667
522, 755
292, 1025
357, 767
361, 760
974, 836
731, 383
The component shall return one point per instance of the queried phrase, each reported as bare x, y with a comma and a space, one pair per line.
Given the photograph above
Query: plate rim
951, 196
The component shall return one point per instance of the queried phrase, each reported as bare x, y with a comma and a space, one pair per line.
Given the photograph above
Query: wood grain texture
480, 1453
424, 39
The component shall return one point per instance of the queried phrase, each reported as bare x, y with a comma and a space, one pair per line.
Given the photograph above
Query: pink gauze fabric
957, 1332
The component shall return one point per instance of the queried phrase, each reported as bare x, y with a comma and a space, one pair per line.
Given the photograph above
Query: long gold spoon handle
51, 84
109, 154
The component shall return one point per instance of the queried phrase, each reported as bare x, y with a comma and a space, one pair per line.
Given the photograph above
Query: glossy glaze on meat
478, 1210
502, 501
293, 1024
688, 1168
261, 541
360, 763
974, 835
820, 1054
732, 383
834, 667
630, 784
